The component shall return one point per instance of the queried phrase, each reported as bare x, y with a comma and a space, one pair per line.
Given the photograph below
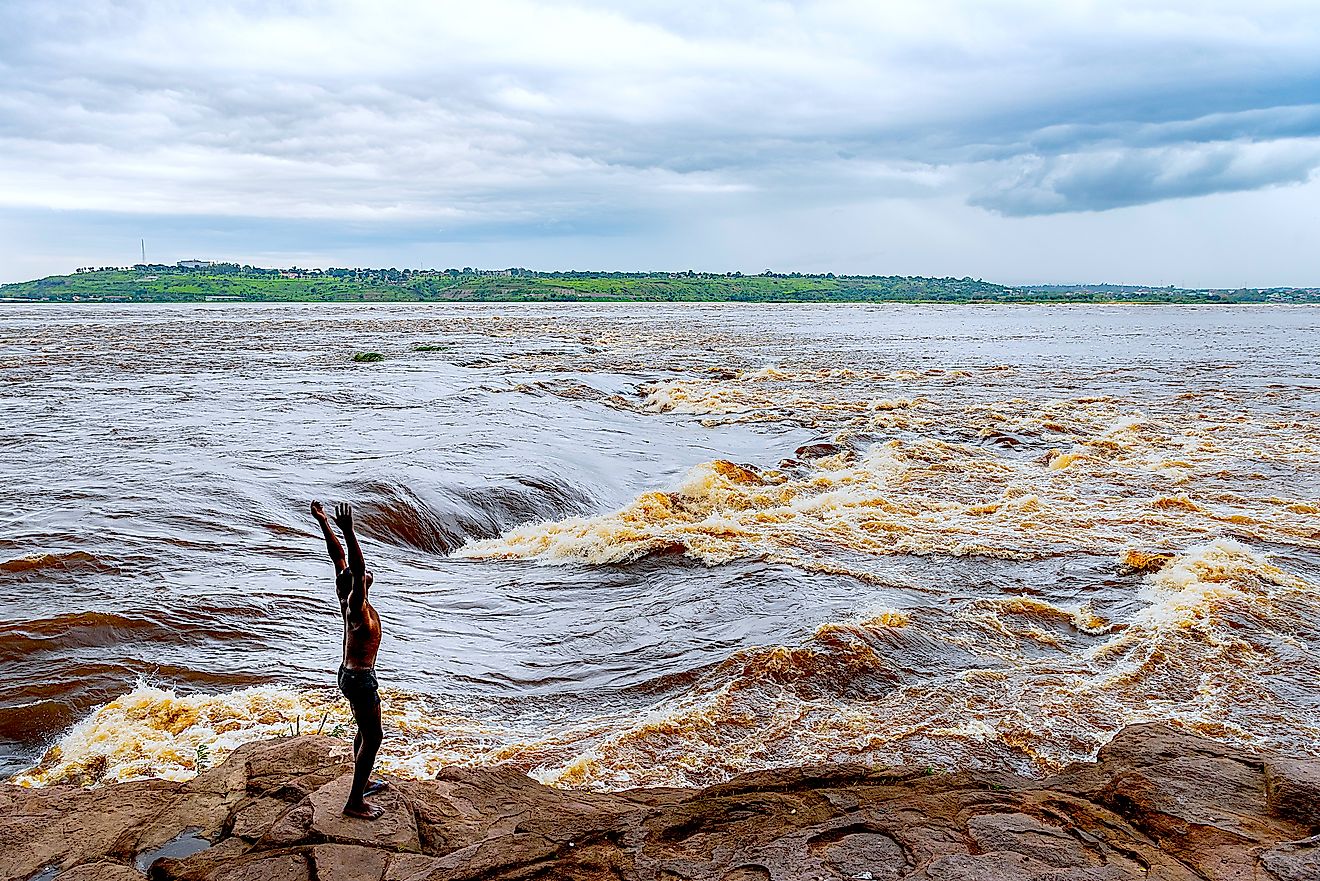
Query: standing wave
1218, 646
917, 497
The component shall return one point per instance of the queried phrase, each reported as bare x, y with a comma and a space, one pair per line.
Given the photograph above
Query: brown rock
293, 767
345, 862
1139, 561
201, 865
860, 853
1203, 802
840, 848
1292, 789
464, 806
63, 826
1293, 861
445, 823
1159, 804
229, 776
1009, 866
181, 846
196, 813
745, 474
283, 867
1155, 743
818, 450
294, 827
395, 830
1048, 843
100, 872
253, 817
407, 866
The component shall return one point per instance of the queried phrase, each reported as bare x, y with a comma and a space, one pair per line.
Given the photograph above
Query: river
626, 544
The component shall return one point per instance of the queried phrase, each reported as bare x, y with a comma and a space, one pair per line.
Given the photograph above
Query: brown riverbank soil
1157, 804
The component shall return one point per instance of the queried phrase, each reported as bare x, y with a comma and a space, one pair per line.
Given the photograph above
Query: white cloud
545, 114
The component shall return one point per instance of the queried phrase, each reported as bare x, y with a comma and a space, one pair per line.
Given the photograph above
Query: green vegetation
228, 281
368, 357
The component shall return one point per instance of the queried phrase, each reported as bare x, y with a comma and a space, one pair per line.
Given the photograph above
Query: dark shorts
359, 686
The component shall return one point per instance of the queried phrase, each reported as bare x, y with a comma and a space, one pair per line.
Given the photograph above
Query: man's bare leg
373, 786
365, 746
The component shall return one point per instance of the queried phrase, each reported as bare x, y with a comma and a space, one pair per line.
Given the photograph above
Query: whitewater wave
919, 497
997, 683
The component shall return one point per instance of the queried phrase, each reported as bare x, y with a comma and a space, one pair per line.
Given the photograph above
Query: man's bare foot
374, 787
363, 811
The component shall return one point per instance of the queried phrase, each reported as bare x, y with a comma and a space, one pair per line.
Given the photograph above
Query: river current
618, 545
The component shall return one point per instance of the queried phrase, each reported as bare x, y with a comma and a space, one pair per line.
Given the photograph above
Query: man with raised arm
357, 673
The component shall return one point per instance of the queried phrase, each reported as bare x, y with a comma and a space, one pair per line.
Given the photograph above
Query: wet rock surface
1157, 803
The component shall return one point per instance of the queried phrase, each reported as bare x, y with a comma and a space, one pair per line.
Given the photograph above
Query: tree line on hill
150, 282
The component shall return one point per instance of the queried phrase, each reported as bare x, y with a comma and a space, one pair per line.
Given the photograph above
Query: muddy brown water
598, 558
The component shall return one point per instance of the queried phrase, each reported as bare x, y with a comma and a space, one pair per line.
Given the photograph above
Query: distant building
195, 264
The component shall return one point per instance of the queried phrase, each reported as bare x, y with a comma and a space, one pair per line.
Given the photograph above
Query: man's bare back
357, 673
361, 626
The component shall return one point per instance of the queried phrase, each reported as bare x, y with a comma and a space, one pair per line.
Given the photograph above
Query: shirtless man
357, 674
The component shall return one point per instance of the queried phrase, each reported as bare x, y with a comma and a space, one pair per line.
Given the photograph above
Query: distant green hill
227, 281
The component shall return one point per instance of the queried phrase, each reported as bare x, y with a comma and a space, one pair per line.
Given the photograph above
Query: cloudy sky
1162, 142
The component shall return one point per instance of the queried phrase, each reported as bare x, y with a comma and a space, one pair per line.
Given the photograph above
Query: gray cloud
534, 116
1115, 178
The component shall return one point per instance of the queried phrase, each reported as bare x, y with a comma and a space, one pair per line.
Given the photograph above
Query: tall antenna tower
144, 251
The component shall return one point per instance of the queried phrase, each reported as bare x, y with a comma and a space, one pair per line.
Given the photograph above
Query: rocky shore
1157, 804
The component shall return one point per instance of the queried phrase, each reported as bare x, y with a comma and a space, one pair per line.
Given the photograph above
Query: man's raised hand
318, 512
344, 515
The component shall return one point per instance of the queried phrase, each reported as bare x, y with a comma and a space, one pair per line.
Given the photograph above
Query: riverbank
227, 282
1157, 803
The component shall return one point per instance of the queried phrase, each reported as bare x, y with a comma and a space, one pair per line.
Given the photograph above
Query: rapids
601, 559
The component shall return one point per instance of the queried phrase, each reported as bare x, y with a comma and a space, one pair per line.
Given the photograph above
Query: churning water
601, 558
